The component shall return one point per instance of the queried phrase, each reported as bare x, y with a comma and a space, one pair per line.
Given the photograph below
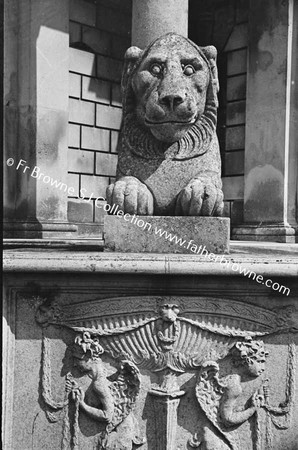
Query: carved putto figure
169, 161
116, 400
218, 397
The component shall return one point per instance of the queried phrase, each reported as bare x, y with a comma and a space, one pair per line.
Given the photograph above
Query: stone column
152, 18
36, 119
271, 169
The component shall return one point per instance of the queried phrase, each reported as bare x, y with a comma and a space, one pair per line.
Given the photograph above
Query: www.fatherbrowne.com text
196, 249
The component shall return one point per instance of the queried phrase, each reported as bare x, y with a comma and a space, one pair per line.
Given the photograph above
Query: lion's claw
131, 195
201, 197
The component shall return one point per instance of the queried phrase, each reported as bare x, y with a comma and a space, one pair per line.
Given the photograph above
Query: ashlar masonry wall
99, 36
235, 52
225, 25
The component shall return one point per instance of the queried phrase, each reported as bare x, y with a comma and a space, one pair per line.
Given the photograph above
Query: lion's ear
211, 54
130, 58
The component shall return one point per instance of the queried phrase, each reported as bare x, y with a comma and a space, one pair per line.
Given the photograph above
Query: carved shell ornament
158, 336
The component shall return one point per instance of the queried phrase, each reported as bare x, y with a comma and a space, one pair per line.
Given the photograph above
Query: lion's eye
188, 70
156, 69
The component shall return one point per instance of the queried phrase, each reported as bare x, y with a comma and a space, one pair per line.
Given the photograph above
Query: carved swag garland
163, 350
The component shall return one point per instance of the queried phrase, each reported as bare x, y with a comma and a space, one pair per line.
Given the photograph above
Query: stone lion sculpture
169, 161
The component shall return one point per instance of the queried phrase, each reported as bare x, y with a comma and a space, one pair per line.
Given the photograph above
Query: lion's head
171, 88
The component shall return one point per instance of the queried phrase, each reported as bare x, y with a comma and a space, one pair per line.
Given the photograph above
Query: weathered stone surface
158, 234
169, 160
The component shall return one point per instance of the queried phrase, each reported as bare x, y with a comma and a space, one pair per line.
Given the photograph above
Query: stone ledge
78, 244
278, 263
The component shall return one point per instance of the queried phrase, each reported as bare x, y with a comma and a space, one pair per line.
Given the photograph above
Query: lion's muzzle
170, 112
170, 130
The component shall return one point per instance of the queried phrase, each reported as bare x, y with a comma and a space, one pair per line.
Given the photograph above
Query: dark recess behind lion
169, 161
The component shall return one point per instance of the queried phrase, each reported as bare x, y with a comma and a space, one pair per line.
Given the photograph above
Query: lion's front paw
131, 195
201, 197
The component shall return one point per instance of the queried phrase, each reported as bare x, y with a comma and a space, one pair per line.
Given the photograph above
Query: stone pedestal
271, 163
36, 119
266, 233
159, 234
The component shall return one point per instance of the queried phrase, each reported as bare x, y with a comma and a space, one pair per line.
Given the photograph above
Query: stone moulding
278, 262
95, 313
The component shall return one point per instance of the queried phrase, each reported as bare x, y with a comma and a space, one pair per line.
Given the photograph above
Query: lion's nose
171, 101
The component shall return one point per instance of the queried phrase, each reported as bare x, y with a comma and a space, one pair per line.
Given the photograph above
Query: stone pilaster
271, 169
153, 18
36, 113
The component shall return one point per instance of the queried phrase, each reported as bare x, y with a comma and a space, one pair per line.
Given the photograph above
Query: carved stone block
153, 234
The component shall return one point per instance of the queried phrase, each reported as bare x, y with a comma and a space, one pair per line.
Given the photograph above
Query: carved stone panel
152, 372
169, 373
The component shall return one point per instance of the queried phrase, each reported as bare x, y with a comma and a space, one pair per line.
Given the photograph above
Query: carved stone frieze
169, 337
